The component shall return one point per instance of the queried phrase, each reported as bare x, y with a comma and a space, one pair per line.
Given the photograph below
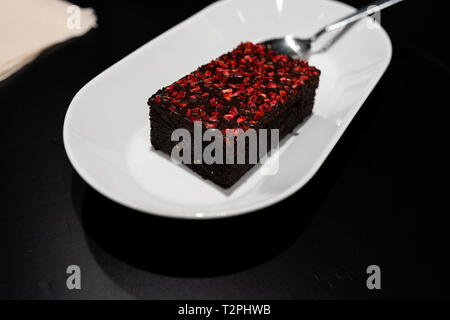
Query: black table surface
377, 200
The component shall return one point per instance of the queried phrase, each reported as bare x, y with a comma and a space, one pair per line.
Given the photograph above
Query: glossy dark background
378, 199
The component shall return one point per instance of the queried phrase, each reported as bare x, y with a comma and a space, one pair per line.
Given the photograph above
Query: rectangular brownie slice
251, 87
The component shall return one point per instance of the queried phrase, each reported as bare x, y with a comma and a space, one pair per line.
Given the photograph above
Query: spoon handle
359, 14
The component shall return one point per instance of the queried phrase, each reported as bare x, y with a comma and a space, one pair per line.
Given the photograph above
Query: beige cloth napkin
27, 27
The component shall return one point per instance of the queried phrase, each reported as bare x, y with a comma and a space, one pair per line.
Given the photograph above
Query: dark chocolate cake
250, 87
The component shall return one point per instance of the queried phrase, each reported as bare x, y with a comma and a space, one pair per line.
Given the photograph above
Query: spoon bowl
290, 46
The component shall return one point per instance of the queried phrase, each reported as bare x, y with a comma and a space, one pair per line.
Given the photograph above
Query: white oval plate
106, 129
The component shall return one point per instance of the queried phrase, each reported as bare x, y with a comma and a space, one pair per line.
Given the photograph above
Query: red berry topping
229, 116
238, 88
211, 125
241, 119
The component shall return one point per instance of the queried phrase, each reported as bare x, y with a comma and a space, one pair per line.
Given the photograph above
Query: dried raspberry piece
180, 95
258, 115
229, 116
213, 102
241, 119
211, 125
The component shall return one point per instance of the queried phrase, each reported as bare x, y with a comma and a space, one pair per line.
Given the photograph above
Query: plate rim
229, 212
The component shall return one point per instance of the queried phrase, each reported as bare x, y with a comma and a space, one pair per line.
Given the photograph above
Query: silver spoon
302, 48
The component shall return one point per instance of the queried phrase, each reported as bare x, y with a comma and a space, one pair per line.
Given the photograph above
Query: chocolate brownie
251, 87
